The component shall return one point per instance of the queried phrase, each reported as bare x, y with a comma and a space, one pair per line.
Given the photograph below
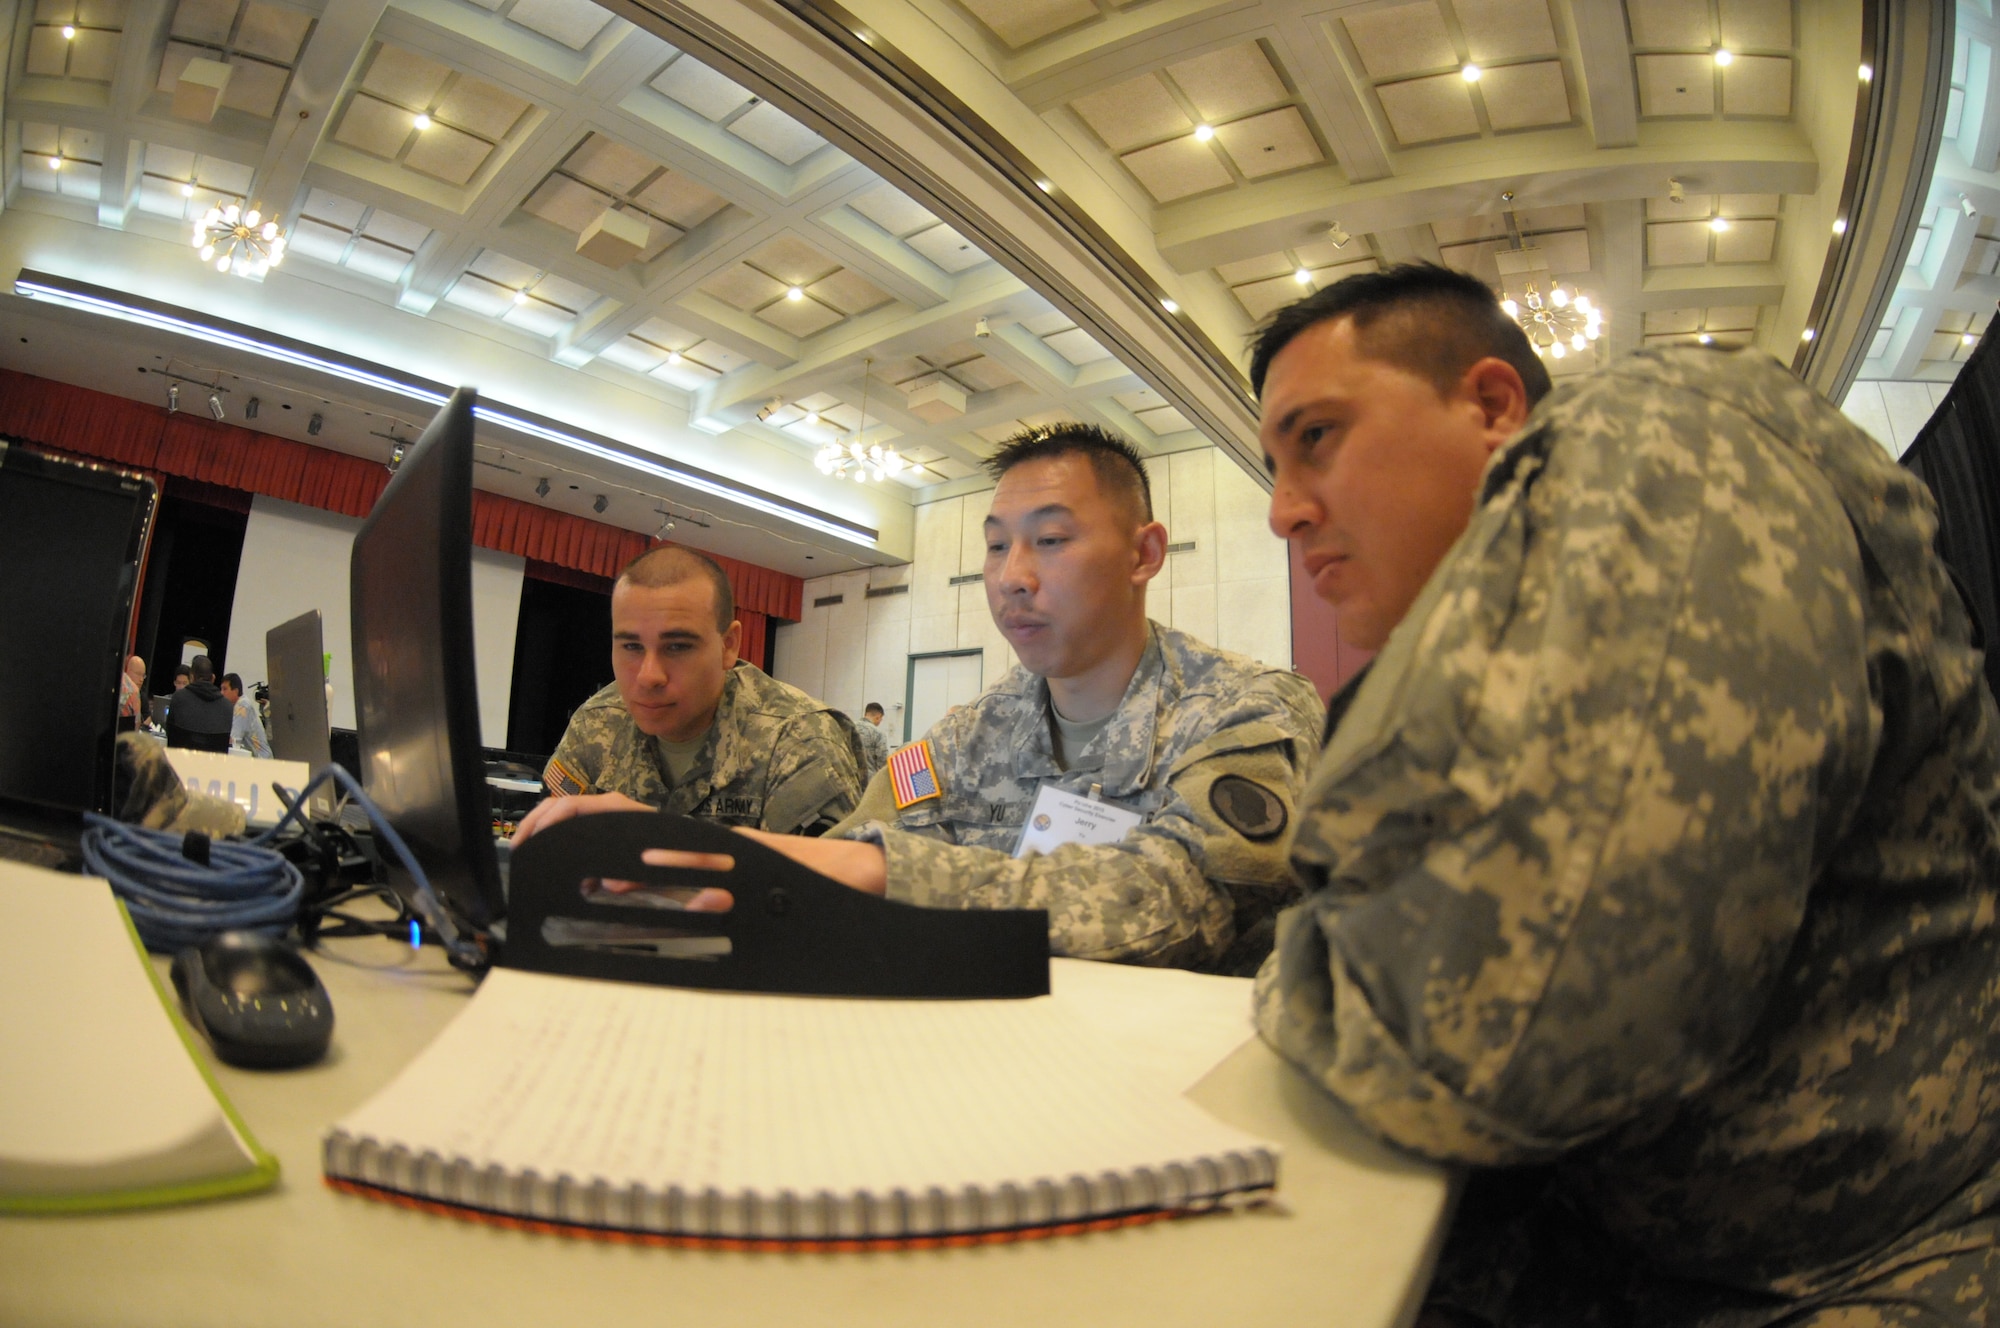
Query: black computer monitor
416, 695
295, 654
72, 537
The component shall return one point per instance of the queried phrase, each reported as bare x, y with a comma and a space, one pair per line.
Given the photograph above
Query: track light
601, 503
396, 457
215, 405
770, 408
981, 328
250, 409
315, 424
542, 487
1676, 192
173, 397
1966, 206
1338, 234
666, 524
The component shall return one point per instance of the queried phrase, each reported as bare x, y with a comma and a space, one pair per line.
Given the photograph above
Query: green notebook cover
70, 929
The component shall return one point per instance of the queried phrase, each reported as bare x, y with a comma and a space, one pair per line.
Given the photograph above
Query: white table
1349, 1239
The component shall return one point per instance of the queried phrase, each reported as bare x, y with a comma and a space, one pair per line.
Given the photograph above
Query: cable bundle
176, 899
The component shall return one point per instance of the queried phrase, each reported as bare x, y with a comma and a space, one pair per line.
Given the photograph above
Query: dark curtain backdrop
1958, 456
97, 426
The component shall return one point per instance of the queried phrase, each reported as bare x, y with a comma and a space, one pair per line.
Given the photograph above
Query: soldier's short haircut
1428, 320
670, 564
1120, 472
233, 682
873, 708
201, 668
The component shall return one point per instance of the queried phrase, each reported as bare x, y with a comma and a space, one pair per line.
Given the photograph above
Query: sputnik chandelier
248, 244
1557, 323
855, 460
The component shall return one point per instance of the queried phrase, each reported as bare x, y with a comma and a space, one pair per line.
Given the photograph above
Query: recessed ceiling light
422, 121
1866, 73
1840, 225
795, 293
69, 32
1171, 306
1470, 73
1807, 335
1303, 277
673, 357
187, 191
1202, 133
1705, 339
1967, 339
520, 297
1723, 56
55, 163
1719, 225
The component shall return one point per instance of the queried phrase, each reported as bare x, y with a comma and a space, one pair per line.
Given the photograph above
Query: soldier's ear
1150, 548
1495, 386
732, 644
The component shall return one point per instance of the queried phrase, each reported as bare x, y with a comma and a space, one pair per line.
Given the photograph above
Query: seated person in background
131, 694
246, 726
183, 675
199, 716
874, 743
1202, 750
1655, 862
686, 727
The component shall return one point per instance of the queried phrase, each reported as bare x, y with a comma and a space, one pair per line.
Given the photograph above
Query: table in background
1350, 1237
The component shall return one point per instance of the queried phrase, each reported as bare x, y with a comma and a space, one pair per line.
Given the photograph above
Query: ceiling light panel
1400, 40
572, 23
702, 90
1232, 82
1497, 30
1133, 113
776, 134
893, 210
1017, 22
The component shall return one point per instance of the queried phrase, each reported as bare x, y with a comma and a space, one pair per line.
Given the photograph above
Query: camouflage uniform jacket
874, 748
775, 758
1211, 748
1659, 852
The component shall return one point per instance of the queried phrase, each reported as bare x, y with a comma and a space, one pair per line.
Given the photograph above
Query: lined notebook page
663, 1088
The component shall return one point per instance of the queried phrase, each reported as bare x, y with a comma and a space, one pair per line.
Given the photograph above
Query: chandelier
1558, 323
246, 243
854, 460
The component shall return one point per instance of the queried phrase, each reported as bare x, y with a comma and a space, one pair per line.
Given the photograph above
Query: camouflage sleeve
1565, 836
1169, 893
574, 767
878, 803
814, 780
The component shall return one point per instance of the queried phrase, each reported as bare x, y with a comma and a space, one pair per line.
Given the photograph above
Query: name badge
1062, 818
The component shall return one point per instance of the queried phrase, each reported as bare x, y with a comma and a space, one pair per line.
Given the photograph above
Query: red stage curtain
96, 426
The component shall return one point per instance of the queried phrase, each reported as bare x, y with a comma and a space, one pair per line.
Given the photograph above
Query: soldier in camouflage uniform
1208, 747
1654, 865
752, 751
874, 743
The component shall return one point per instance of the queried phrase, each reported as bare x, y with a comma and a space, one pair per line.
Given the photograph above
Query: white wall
1232, 589
295, 558
1893, 413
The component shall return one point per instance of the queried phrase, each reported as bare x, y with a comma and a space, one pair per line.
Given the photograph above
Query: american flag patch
560, 781
911, 773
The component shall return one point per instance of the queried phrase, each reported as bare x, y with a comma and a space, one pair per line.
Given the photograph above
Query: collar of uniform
1122, 753
716, 754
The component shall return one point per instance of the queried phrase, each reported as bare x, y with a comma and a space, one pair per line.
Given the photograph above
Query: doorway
937, 683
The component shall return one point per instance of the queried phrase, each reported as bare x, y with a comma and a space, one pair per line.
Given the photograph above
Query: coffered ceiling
788, 265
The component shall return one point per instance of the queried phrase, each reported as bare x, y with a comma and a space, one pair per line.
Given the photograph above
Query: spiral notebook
783, 1121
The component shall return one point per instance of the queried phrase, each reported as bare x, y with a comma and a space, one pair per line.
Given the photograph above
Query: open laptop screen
415, 686
72, 537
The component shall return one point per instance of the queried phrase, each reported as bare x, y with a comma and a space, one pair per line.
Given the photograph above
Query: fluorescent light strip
354, 373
